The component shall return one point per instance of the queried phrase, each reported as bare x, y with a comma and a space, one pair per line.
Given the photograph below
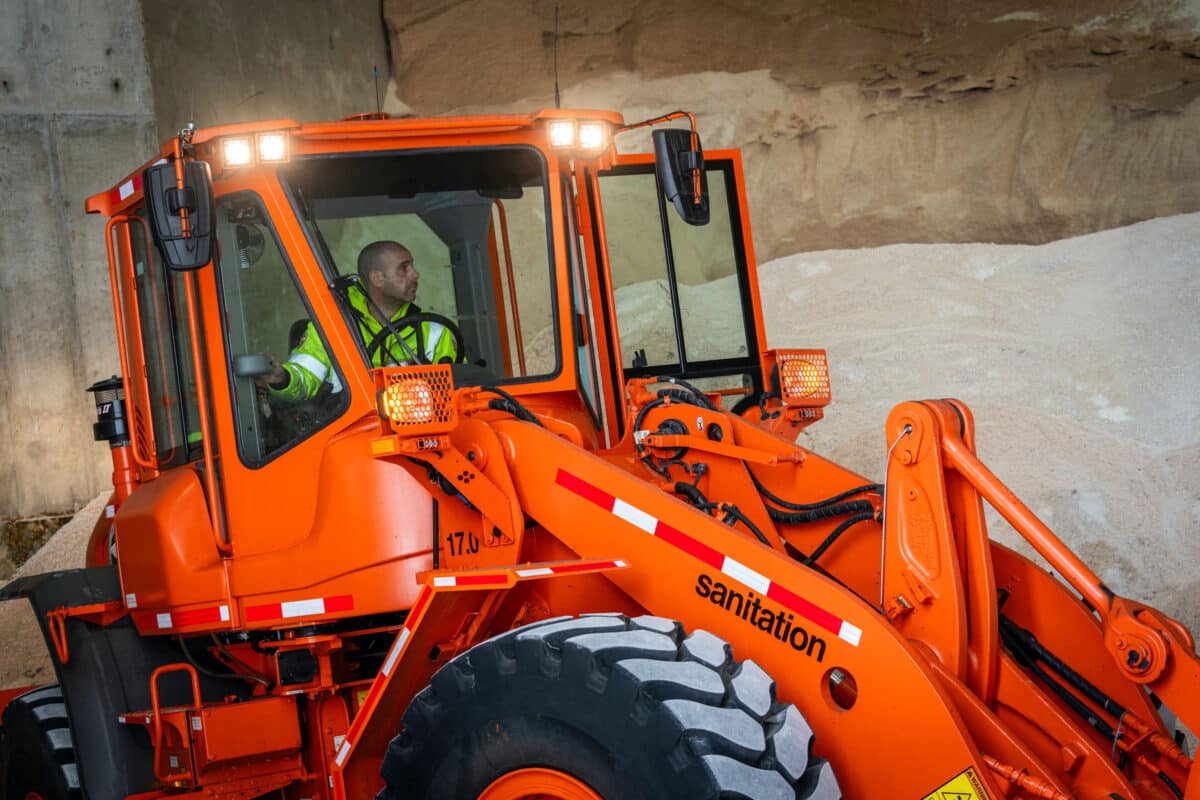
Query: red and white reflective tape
443, 581
382, 678
185, 619
564, 569
290, 609
717, 560
126, 190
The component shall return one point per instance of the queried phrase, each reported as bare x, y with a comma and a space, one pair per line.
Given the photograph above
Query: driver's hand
277, 377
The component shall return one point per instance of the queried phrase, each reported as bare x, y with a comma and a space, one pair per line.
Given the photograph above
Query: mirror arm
694, 168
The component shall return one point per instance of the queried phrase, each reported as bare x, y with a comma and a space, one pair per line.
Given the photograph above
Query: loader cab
564, 271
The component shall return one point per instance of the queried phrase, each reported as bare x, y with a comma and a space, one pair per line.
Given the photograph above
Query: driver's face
400, 277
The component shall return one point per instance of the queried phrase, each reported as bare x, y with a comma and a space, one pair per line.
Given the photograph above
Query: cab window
476, 225
266, 318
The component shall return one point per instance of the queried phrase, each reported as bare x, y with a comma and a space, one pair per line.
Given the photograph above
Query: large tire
37, 753
630, 707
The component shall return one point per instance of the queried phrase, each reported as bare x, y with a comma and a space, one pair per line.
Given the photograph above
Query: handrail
154, 275
119, 320
156, 713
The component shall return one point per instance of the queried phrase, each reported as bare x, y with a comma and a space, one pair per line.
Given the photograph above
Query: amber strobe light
409, 403
803, 377
416, 400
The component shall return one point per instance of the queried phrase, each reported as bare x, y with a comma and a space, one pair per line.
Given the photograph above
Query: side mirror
164, 202
678, 166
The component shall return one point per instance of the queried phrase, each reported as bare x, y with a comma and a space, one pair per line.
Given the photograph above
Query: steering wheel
414, 321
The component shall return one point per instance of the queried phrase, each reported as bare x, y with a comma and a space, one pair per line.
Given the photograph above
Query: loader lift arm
935, 437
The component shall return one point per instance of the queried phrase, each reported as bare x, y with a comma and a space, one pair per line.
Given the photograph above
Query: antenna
557, 99
378, 104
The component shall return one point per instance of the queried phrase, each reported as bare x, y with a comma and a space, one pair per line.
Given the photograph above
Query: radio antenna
378, 105
557, 99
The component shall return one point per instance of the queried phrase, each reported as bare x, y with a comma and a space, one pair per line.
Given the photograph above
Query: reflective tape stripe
533, 573
394, 656
165, 620
739, 571
434, 336
846, 631
310, 363
302, 608
126, 190
635, 516
309, 607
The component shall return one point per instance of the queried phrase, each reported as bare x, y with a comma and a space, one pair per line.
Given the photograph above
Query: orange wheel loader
450, 461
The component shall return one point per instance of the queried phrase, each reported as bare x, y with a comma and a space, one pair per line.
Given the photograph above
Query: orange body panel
339, 575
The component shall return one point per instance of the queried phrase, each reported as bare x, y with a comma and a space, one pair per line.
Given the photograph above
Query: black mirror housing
676, 163
164, 204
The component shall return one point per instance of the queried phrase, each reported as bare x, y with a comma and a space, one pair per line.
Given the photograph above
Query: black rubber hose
516, 409
836, 533
693, 495
837, 498
1010, 630
1026, 649
683, 397
736, 513
1170, 784
513, 406
702, 399
821, 512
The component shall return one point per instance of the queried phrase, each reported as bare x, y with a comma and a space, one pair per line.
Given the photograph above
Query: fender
107, 673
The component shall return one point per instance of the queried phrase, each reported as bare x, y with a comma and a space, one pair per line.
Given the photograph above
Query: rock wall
862, 124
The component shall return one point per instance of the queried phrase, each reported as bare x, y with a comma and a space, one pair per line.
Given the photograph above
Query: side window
167, 349
265, 315
680, 292
706, 300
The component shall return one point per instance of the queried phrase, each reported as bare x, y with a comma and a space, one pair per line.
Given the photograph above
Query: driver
387, 271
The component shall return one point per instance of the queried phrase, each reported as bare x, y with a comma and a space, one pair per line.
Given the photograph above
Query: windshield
473, 224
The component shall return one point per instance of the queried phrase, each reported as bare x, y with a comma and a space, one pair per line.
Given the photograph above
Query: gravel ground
24, 660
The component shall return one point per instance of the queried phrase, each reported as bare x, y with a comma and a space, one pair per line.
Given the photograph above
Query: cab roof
359, 126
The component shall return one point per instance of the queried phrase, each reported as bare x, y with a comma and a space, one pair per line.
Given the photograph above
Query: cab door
677, 299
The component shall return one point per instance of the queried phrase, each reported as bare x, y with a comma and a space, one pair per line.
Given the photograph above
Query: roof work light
272, 147
562, 132
592, 135
236, 152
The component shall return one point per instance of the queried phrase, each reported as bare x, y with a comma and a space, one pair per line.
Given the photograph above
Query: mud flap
108, 672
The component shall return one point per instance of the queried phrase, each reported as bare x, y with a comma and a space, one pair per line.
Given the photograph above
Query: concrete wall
226, 61
88, 91
75, 100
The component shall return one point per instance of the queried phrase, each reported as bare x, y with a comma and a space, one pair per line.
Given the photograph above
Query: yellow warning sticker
361, 697
963, 786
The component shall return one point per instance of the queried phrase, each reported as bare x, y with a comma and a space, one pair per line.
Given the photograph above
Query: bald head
388, 275
376, 257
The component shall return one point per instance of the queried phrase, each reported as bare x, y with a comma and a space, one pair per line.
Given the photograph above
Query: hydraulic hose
836, 533
698, 396
511, 405
821, 512
837, 498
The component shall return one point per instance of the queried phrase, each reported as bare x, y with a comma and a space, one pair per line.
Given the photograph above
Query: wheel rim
536, 783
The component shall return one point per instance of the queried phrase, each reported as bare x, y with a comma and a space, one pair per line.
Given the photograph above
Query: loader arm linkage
933, 454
